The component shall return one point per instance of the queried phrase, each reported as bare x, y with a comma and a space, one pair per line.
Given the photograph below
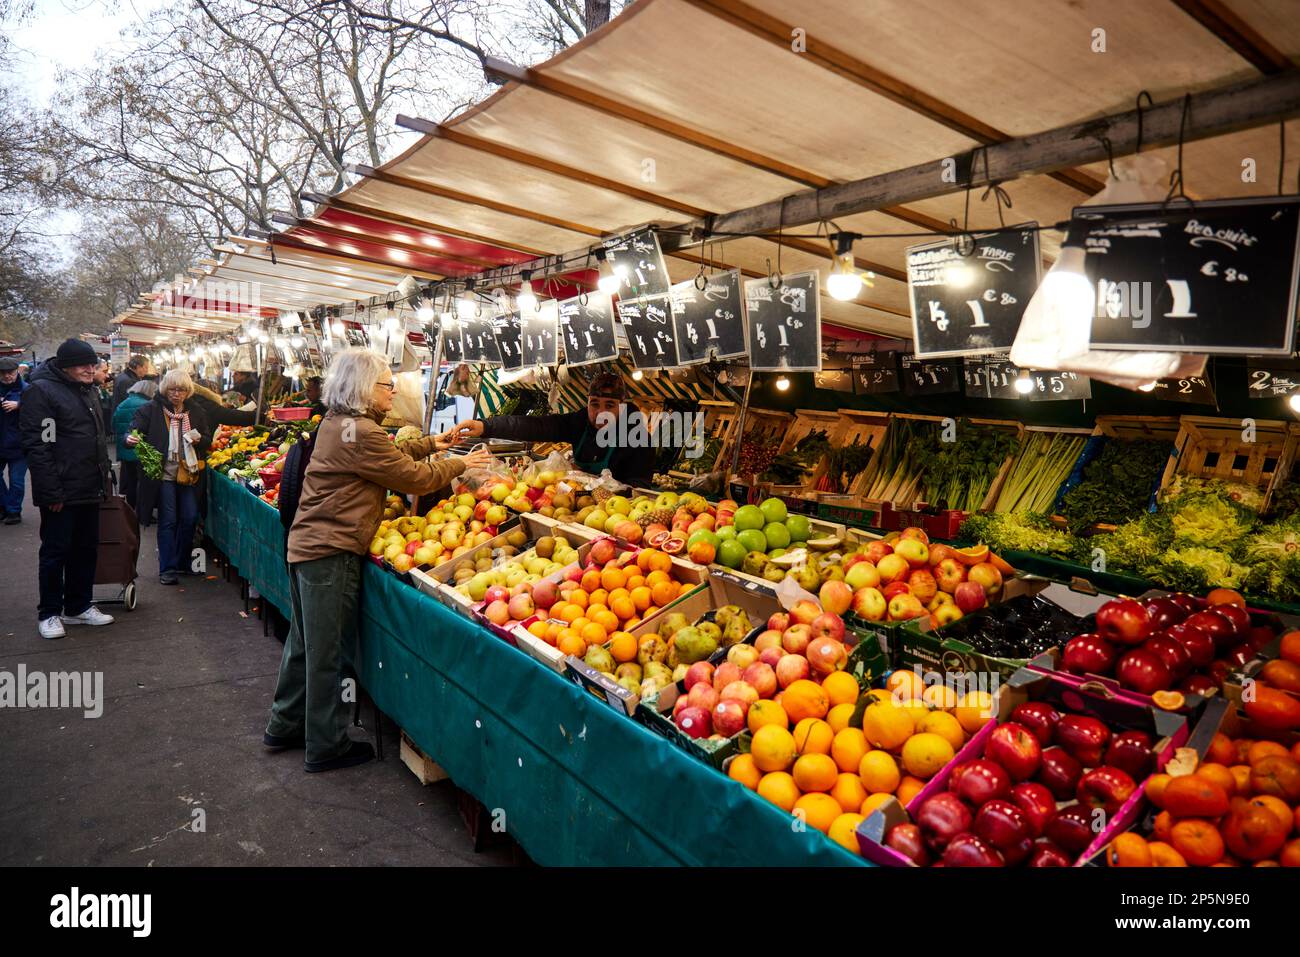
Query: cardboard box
656, 713
602, 686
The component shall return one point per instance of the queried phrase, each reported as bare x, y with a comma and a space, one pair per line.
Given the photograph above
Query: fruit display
1033, 795
665, 521
1170, 643
240, 452
448, 531
1017, 629
1273, 701
1237, 806
551, 493
511, 564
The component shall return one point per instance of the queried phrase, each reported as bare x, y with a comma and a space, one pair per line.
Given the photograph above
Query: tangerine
765, 712
623, 646
848, 749
594, 634
1263, 749
598, 597
940, 696
612, 578
590, 580
580, 598
1164, 855
1222, 750
743, 769
1199, 842
841, 688
974, 710
873, 801
804, 699
569, 642
818, 811
813, 736
904, 685
945, 726
773, 748
539, 628
623, 608
839, 716
640, 597
607, 620
908, 789
663, 592
570, 613
1128, 850
849, 791
844, 831
1220, 775
879, 772
815, 772
779, 788
887, 725
924, 754
1290, 647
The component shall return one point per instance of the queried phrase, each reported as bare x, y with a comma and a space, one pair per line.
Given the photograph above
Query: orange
872, 802
553, 630
815, 772
844, 831
570, 642
879, 694
623, 607
663, 592
594, 607
886, 725
1263, 749
1219, 775
631, 623
640, 597
580, 598
840, 687
1163, 825
849, 791
804, 699
654, 578
917, 710
924, 754
643, 559
1290, 647
763, 712
974, 710
612, 578
1128, 850
539, 628
879, 772
1290, 856
908, 788
1225, 596
813, 736
945, 726
659, 561
1281, 810
579, 623
905, 685
635, 579
818, 811
571, 612
557, 610
1199, 842
598, 597
743, 769
779, 788
590, 580
1163, 855
1241, 776
773, 748
594, 634
839, 716
940, 696
1168, 700
607, 620
650, 612
623, 646
848, 749
1155, 789
1222, 750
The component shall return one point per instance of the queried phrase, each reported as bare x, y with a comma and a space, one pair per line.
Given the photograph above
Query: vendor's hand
132, 440
478, 459
56, 507
469, 429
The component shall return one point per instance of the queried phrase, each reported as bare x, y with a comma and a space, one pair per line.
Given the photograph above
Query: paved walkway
187, 682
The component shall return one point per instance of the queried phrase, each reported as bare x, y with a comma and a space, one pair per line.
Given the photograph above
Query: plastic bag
789, 594
471, 480
554, 468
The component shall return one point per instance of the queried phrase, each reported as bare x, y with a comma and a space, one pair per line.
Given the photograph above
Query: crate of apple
422, 541
547, 493
1169, 643
1041, 789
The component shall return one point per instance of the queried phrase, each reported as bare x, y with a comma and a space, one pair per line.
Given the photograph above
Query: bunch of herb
789, 468
1018, 532
1117, 484
1045, 461
844, 464
150, 459
894, 472
959, 474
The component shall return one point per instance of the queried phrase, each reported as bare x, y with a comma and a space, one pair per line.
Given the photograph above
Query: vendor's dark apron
595, 466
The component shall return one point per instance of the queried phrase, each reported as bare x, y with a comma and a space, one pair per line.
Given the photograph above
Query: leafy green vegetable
895, 471
1273, 553
1208, 516
150, 459
1018, 532
1194, 569
1116, 485
1044, 462
959, 474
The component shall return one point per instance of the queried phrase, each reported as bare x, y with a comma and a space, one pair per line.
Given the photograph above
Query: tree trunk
596, 14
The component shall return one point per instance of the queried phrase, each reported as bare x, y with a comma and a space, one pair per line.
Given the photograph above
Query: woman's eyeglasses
387, 385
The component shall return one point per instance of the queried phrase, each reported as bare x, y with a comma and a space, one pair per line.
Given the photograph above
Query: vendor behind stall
593, 449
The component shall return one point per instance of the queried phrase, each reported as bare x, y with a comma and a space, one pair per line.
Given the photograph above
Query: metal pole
260, 349
740, 431
436, 353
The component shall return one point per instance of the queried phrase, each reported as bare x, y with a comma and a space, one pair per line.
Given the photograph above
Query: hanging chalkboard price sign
708, 318
587, 326
1057, 386
540, 335
1220, 276
453, 349
784, 323
836, 380
875, 373
1193, 390
649, 329
638, 262
1272, 380
479, 340
509, 335
992, 377
919, 377
971, 304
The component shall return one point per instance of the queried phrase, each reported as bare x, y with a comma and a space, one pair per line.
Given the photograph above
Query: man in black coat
137, 368
64, 437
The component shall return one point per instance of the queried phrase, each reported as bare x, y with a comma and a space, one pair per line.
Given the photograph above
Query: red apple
1088, 654
496, 593
826, 655
1171, 651
1105, 787
790, 669
1071, 829
1059, 773
896, 588
1047, 854
796, 638
703, 696
869, 604
877, 550
762, 677
941, 818
498, 612
544, 594
1259, 636
770, 656
1237, 617
1143, 671
1130, 751
987, 576
971, 850
1015, 748
725, 674
949, 573
804, 612
1039, 717
905, 608
768, 639
1219, 628
1164, 613
979, 780
778, 621
836, 597
1002, 823
923, 584
695, 722
1124, 621
1018, 853
1238, 655
729, 717
1198, 642
1197, 684
1037, 802
893, 568
700, 671
828, 625
1188, 603
907, 840
969, 597
741, 691
1083, 737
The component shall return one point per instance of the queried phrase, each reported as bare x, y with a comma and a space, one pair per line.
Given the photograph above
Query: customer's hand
132, 439
9, 405
478, 459
56, 507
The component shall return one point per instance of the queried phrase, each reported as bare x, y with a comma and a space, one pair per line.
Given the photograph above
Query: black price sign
587, 324
969, 301
479, 340
991, 377
509, 335
919, 377
708, 318
638, 262
837, 380
875, 373
453, 350
785, 329
1219, 276
1057, 386
539, 335
1273, 381
649, 329
1194, 390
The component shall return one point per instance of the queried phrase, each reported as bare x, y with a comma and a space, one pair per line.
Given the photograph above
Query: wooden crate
1009, 425
807, 421
1213, 448
1123, 428
426, 770
865, 428
720, 421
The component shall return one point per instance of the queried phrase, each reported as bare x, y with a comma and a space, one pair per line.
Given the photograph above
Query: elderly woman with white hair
353, 463
175, 425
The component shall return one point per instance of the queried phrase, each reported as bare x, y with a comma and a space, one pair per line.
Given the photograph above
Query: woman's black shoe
169, 578
279, 742
359, 753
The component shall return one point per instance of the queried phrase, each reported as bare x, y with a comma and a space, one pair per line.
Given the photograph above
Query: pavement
173, 772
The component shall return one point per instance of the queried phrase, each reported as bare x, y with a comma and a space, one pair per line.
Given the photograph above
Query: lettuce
1194, 568
1209, 517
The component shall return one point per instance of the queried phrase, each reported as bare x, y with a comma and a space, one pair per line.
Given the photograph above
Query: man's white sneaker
91, 616
51, 627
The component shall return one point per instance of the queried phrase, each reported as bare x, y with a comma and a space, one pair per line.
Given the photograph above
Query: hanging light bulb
338, 328
297, 342
1066, 295
425, 313
1024, 382
782, 384
527, 299
1294, 402
637, 375
608, 282
844, 282
467, 304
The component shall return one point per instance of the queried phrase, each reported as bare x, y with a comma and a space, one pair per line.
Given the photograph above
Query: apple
761, 677
729, 717
767, 640
896, 588
1016, 748
1019, 852
869, 604
1037, 803
938, 552
941, 818
826, 655
770, 656
742, 655
1071, 829
893, 568
949, 573
796, 638
828, 625
1105, 787
1047, 854
741, 691
496, 593
1259, 636
1198, 684
979, 780
862, 574
522, 606
480, 511
804, 612
945, 615
1059, 773
1164, 613
922, 584
1039, 717
1084, 738
1198, 642
1088, 653
912, 550
679, 705
905, 608
497, 612
778, 621
1188, 603
916, 532
703, 696
1130, 751
725, 674
1237, 617
836, 597
969, 597
1143, 671
877, 550
694, 722
1218, 627
544, 594
987, 576
1002, 823
1176, 658
907, 840
700, 672
1124, 621
971, 850
1238, 655
790, 669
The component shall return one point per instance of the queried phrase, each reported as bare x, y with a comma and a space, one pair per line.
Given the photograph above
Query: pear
629, 669
631, 684
672, 623
711, 629
659, 672
651, 650
735, 632
600, 659
773, 572
808, 578
693, 645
